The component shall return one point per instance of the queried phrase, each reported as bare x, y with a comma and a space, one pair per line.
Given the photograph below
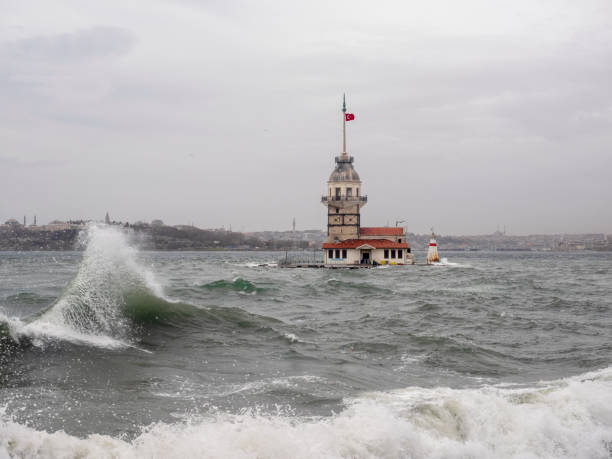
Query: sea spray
91, 309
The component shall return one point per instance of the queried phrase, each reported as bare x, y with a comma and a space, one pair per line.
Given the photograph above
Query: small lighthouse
432, 251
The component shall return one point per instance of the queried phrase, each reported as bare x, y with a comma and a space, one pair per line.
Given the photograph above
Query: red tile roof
382, 231
356, 243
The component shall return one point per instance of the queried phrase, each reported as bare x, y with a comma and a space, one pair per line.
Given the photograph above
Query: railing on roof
344, 198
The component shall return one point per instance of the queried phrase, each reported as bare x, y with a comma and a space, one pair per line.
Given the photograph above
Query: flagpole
344, 123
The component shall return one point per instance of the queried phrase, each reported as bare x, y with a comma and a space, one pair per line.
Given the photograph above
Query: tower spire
344, 124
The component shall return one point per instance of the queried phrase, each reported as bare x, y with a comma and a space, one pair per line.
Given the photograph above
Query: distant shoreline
64, 236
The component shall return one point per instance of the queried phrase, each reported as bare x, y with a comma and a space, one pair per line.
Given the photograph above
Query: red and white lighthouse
432, 251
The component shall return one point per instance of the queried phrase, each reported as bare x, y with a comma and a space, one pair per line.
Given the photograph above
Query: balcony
349, 199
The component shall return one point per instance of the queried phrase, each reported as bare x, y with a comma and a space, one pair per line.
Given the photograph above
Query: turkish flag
349, 116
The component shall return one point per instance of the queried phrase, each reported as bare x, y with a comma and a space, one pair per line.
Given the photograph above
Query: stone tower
345, 197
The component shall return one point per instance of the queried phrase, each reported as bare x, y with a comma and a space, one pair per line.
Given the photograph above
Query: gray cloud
468, 115
85, 44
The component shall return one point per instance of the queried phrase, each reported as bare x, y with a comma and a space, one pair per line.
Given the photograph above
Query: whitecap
569, 418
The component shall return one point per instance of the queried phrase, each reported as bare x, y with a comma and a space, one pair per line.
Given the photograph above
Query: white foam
258, 264
292, 338
445, 262
39, 333
265, 385
570, 418
408, 360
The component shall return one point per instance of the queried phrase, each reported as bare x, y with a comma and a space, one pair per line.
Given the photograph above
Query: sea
116, 352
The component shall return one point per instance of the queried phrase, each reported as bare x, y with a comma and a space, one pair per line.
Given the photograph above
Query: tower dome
344, 171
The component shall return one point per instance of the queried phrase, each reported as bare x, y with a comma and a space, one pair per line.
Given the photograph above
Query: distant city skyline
468, 115
501, 231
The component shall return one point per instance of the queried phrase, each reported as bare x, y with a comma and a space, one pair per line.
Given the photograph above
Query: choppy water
119, 353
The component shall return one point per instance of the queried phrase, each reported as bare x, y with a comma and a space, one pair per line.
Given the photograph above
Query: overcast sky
469, 114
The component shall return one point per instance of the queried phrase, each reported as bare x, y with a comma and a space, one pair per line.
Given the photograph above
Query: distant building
12, 222
58, 225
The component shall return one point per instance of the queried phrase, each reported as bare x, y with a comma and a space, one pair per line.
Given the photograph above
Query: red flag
349, 116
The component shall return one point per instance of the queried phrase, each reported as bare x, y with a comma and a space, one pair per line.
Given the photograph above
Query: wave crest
91, 308
238, 284
570, 418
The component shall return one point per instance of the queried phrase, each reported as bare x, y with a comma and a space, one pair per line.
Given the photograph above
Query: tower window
337, 211
357, 193
349, 192
399, 240
338, 192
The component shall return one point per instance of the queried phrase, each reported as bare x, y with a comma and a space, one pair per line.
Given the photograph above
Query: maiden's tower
348, 243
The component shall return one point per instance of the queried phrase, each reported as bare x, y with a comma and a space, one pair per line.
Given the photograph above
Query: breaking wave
238, 284
568, 418
112, 295
92, 308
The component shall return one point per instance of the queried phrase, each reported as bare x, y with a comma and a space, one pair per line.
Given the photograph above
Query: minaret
344, 194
